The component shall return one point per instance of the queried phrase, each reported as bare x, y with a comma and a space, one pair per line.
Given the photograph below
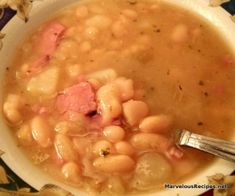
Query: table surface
15, 181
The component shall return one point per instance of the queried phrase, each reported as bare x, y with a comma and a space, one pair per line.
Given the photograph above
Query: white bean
102, 147
179, 33
118, 29
62, 127
82, 145
71, 171
22, 72
144, 24
126, 53
99, 21
81, 12
109, 105
126, 88
124, 148
114, 133
67, 47
78, 39
116, 44
156, 124
155, 7
85, 46
115, 185
146, 141
64, 148
91, 33
15, 100
97, 53
134, 111
114, 163
135, 48
95, 83
123, 19
24, 135
12, 107
12, 115
73, 71
42, 132
145, 40
130, 14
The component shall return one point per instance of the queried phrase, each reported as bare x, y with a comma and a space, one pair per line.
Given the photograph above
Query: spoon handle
221, 148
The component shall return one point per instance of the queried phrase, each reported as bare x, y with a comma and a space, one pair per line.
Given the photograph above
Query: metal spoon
221, 148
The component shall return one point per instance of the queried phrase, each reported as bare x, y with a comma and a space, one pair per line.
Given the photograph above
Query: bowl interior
16, 30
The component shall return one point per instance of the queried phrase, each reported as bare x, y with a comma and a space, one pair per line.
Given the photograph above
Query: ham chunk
37, 65
50, 38
47, 43
174, 153
79, 98
228, 61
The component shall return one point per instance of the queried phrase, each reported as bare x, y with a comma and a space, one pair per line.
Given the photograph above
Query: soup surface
95, 94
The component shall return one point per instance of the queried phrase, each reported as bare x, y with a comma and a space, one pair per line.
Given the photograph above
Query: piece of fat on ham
46, 44
50, 38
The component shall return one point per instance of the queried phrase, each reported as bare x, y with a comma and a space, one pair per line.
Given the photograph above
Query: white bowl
16, 29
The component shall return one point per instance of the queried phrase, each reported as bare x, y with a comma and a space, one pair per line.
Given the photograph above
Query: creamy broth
94, 95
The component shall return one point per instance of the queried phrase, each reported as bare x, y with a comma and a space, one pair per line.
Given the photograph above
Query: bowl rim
24, 168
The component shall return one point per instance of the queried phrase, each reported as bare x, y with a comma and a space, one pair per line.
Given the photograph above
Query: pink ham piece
50, 38
220, 91
37, 65
78, 98
40, 109
47, 43
228, 60
117, 122
174, 153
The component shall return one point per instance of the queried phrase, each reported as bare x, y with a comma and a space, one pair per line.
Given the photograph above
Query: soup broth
95, 93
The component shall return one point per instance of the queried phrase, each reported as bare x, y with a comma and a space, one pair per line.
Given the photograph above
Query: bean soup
95, 93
